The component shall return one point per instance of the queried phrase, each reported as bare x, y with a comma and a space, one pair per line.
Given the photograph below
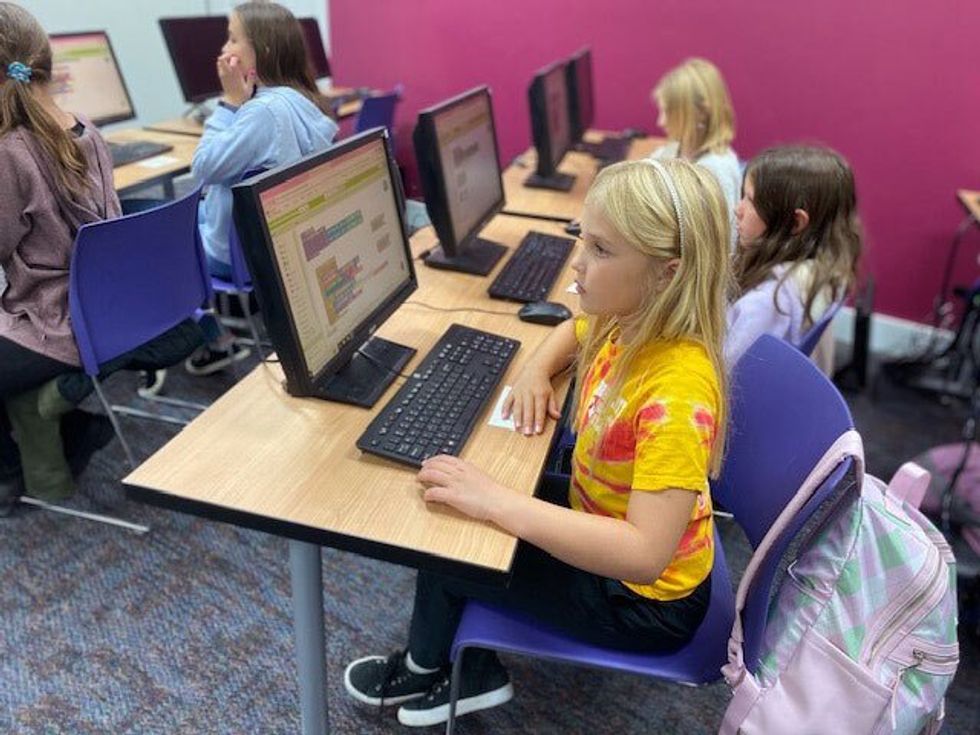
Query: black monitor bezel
540, 132
315, 53
433, 177
579, 126
112, 52
166, 26
267, 278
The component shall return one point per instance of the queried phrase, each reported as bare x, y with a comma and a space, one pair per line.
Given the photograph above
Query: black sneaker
151, 383
483, 684
380, 681
206, 360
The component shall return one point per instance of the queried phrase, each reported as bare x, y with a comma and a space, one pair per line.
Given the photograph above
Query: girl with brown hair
270, 114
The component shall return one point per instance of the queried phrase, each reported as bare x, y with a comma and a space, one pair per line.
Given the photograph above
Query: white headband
674, 196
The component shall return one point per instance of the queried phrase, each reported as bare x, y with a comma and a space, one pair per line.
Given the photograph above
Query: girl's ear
801, 218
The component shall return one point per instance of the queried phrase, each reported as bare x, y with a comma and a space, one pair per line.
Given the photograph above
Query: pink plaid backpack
861, 635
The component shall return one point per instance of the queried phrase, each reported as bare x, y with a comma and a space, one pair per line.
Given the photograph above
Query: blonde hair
698, 109
636, 200
23, 40
819, 181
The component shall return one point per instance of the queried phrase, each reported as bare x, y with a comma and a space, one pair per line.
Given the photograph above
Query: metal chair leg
97, 517
243, 299
454, 691
115, 423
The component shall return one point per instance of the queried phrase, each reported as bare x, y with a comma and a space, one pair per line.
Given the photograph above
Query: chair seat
225, 286
699, 662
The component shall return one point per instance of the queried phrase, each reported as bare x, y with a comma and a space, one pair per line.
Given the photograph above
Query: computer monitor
86, 77
551, 127
328, 251
314, 47
194, 43
459, 166
580, 95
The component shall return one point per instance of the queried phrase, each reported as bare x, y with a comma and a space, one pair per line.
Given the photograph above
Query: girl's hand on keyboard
531, 401
457, 483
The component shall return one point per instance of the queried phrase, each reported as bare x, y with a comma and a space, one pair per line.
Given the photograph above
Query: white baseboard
891, 336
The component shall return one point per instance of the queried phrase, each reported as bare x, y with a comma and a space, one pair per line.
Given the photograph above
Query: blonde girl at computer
623, 558
799, 244
270, 114
695, 111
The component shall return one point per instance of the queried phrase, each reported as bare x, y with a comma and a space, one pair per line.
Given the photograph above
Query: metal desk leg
307, 584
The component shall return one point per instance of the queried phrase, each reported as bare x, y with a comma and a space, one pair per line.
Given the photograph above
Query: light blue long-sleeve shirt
277, 126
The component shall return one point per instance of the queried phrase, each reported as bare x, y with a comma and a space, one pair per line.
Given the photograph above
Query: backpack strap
908, 485
847, 444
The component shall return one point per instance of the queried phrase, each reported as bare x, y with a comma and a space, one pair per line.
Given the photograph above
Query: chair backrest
808, 343
784, 415
378, 111
135, 277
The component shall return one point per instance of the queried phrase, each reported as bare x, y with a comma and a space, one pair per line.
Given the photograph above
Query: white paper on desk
157, 162
496, 418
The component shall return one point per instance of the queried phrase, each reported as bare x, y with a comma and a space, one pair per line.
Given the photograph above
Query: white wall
135, 35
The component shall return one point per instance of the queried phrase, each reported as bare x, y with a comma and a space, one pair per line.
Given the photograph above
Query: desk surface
970, 201
561, 205
190, 126
152, 170
262, 459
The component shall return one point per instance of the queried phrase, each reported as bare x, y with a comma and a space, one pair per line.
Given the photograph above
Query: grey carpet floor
188, 629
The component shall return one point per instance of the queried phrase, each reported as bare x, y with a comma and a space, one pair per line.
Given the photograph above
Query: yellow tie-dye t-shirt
659, 437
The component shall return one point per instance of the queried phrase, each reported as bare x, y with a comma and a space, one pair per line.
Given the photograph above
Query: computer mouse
544, 312
574, 228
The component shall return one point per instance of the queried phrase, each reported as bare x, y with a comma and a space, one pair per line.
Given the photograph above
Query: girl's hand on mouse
237, 84
531, 401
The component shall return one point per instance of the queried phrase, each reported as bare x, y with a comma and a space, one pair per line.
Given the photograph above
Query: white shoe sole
158, 383
373, 701
217, 365
439, 715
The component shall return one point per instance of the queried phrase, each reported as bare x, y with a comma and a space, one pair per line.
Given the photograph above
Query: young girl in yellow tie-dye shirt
624, 561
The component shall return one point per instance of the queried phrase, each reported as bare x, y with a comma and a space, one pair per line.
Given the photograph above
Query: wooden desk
558, 205
157, 170
192, 126
262, 459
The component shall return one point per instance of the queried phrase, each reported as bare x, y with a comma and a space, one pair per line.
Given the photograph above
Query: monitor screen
194, 45
333, 228
468, 158
580, 87
314, 47
86, 77
556, 109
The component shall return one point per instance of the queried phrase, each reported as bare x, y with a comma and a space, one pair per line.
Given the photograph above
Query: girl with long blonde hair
623, 558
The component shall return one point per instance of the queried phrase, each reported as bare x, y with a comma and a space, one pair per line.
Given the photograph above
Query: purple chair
808, 343
132, 279
241, 280
379, 111
784, 415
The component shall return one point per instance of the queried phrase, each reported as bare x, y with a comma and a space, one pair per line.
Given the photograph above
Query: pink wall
893, 85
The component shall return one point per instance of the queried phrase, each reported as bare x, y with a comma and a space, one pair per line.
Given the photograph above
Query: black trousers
586, 606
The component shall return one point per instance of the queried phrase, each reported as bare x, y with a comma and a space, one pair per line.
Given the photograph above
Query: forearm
558, 350
605, 546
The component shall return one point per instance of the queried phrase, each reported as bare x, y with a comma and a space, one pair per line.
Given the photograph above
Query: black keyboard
123, 153
533, 268
610, 150
435, 410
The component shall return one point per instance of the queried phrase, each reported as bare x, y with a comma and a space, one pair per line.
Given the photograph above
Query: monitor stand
556, 181
476, 256
363, 380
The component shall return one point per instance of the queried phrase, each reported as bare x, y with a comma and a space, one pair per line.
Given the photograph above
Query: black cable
463, 308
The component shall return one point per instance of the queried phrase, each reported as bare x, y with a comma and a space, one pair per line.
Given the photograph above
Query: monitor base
478, 257
555, 182
364, 379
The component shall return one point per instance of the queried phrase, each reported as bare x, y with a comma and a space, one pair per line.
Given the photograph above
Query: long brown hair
23, 40
819, 181
280, 49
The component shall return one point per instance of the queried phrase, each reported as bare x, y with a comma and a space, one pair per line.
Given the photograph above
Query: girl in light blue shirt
270, 114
